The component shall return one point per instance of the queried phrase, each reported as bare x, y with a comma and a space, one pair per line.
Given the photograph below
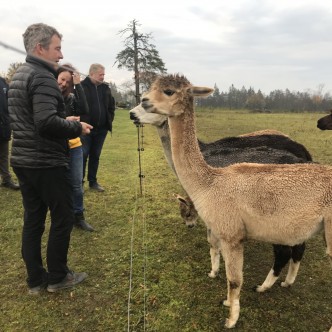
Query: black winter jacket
37, 115
5, 131
101, 104
75, 103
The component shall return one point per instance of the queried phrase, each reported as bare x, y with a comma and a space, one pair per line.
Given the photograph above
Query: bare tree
139, 56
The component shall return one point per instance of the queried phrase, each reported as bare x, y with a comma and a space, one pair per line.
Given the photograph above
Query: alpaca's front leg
268, 282
233, 257
294, 264
227, 302
215, 262
234, 314
291, 274
214, 253
282, 255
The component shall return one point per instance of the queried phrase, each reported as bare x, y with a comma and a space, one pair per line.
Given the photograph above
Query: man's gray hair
39, 33
95, 67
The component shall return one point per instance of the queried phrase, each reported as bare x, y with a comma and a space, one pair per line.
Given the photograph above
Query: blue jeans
76, 176
92, 146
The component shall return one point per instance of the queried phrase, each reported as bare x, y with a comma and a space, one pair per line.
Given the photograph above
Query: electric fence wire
140, 148
144, 230
139, 198
54, 64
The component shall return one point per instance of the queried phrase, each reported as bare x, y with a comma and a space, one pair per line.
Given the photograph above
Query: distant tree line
142, 58
277, 100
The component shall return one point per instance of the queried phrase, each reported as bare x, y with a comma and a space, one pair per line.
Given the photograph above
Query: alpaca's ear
181, 199
201, 91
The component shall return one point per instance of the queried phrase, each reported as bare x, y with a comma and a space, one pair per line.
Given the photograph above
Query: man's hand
86, 128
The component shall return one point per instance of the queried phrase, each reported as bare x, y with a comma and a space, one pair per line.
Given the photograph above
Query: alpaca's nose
132, 116
144, 99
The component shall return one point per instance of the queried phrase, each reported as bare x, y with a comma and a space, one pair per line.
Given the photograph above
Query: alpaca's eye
169, 92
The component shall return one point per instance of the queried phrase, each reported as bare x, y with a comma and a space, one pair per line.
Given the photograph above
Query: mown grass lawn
147, 271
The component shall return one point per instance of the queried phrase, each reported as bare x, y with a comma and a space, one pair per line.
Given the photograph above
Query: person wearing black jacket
40, 159
101, 115
5, 136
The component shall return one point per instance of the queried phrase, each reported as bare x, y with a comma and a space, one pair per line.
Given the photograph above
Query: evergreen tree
139, 56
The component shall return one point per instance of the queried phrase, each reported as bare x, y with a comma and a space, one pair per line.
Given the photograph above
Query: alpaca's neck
190, 166
163, 132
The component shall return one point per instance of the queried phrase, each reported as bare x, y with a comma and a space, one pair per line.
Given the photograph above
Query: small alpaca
285, 204
264, 146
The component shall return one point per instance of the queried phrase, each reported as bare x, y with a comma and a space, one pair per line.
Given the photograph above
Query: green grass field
147, 271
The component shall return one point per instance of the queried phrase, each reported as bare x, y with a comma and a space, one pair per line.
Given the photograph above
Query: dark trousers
4, 163
42, 190
92, 146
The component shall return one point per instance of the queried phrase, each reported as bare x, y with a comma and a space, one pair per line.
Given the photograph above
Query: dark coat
75, 103
5, 131
37, 115
101, 105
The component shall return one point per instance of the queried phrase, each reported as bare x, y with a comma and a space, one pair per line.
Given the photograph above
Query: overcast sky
264, 44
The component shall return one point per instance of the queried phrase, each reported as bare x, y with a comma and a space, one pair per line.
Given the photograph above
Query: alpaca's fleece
285, 204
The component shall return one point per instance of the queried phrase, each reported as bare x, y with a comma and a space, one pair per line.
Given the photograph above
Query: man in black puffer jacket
5, 136
40, 159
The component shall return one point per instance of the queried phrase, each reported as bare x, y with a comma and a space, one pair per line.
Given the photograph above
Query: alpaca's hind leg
233, 257
294, 264
328, 240
282, 255
328, 237
214, 253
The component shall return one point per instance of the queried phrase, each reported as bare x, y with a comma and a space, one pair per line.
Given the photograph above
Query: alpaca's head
325, 123
172, 95
140, 116
187, 211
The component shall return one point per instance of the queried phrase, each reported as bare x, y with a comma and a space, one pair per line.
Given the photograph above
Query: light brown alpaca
285, 204
291, 152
